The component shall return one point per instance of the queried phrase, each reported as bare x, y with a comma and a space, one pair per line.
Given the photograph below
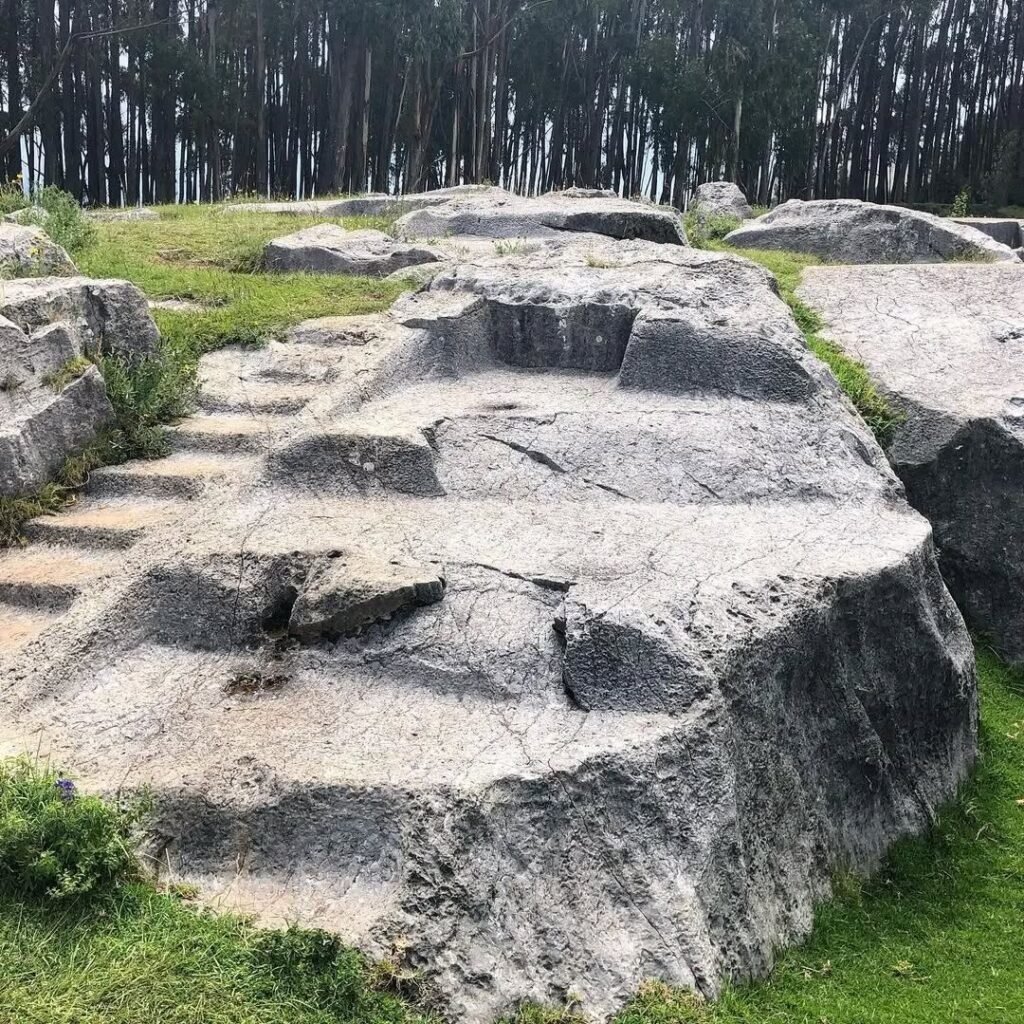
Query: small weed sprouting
67, 374
55, 842
962, 204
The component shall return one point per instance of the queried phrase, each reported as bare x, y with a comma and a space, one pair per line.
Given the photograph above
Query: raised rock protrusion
27, 251
721, 199
851, 231
346, 592
329, 249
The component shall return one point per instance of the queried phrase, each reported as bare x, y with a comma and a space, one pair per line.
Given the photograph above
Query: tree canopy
889, 100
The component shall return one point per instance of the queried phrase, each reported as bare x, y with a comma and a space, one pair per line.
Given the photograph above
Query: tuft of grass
853, 377
67, 374
702, 230
55, 211
15, 512
55, 843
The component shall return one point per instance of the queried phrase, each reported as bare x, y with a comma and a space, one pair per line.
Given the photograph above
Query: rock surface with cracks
46, 325
947, 345
693, 653
852, 231
721, 199
27, 251
330, 249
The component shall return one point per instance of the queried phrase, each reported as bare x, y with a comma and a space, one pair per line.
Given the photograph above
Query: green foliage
54, 842
15, 512
703, 229
962, 204
55, 211
68, 373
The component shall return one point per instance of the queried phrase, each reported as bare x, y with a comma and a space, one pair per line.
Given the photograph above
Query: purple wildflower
66, 790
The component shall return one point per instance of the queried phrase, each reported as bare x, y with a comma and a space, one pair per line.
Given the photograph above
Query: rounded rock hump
851, 231
721, 199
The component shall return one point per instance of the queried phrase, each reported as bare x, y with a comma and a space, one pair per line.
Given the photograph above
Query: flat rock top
948, 337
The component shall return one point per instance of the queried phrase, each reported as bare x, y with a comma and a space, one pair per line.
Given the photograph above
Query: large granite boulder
721, 199
330, 249
27, 251
946, 344
503, 216
693, 653
851, 231
53, 402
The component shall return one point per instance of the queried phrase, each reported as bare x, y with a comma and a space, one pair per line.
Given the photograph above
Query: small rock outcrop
345, 593
53, 401
329, 249
721, 199
27, 251
133, 213
946, 344
851, 231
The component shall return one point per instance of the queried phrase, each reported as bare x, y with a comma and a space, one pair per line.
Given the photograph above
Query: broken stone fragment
345, 593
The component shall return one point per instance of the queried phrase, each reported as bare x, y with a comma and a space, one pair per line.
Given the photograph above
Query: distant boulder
721, 199
851, 231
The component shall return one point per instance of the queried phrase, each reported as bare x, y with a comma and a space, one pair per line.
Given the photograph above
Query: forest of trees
188, 100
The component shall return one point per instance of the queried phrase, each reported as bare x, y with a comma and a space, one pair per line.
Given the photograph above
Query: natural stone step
181, 475
20, 626
102, 525
243, 432
50, 577
256, 397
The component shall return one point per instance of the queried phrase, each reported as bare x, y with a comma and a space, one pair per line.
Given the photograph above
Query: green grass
212, 258
853, 377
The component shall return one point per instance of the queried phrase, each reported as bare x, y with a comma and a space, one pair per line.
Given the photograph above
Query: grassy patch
53, 210
212, 258
853, 377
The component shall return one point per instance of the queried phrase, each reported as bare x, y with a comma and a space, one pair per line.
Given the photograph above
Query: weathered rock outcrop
329, 249
371, 205
721, 199
503, 215
693, 652
947, 345
45, 326
131, 213
27, 251
851, 231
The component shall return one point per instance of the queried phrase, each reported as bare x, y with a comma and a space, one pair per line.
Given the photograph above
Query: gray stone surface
371, 205
1002, 229
947, 344
693, 655
46, 323
330, 249
27, 251
721, 199
110, 317
851, 231
345, 593
502, 215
